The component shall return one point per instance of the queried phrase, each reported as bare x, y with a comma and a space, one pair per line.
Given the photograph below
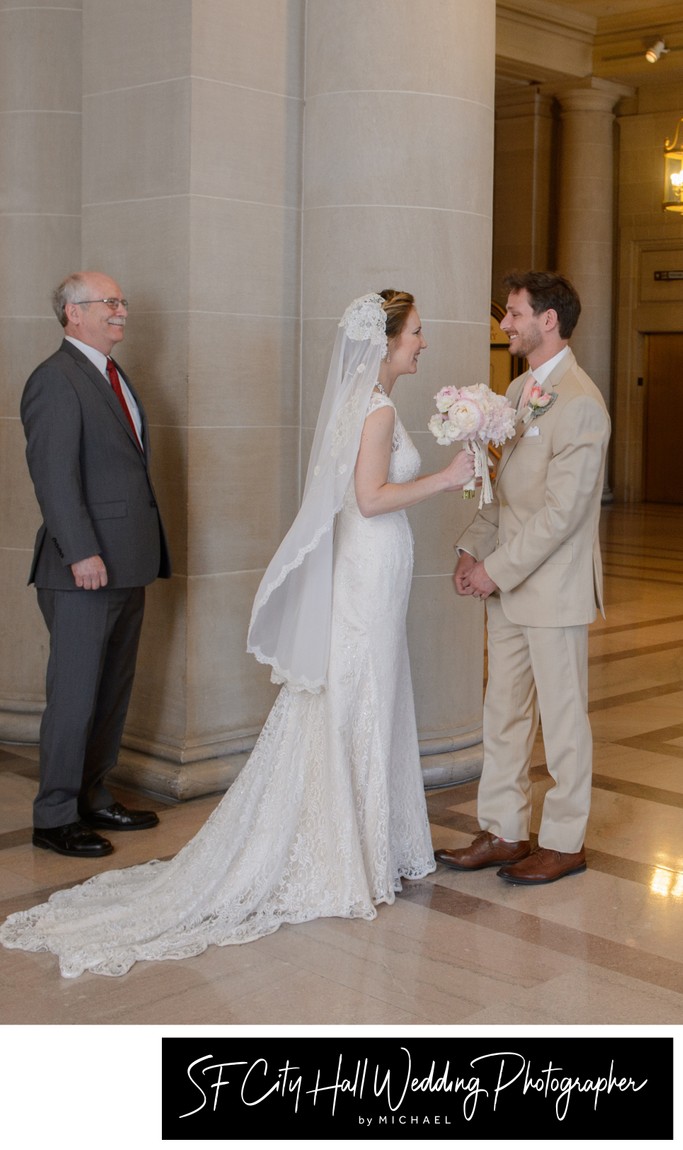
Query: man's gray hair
69, 291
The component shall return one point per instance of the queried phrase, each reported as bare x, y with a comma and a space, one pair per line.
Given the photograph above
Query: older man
534, 556
101, 541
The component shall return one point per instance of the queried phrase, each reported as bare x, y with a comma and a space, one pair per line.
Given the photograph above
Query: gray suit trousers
94, 639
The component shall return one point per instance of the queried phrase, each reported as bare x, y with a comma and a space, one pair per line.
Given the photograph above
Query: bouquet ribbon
481, 471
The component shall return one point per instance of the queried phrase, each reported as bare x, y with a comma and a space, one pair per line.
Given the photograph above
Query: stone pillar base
172, 782
157, 776
445, 762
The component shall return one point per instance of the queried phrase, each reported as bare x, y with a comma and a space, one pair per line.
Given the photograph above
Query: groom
533, 554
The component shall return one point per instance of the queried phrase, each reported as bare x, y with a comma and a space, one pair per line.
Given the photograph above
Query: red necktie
116, 388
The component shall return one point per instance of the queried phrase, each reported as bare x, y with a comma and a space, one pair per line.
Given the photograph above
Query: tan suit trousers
532, 671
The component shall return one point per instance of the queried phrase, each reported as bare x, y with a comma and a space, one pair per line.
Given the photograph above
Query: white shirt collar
542, 372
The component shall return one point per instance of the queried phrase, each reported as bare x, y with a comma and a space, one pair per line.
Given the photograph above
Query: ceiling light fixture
655, 51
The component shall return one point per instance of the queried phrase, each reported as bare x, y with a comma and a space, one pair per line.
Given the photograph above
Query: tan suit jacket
539, 537
539, 543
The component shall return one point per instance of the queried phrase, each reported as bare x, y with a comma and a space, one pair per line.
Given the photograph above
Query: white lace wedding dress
324, 819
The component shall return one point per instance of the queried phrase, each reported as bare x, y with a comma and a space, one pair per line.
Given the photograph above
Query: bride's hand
460, 470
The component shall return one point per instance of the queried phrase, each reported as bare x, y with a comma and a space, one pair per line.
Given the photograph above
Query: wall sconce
655, 51
673, 172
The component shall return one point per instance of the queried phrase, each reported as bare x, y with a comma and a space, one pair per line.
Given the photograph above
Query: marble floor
601, 948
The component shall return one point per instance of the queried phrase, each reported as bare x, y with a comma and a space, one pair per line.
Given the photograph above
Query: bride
329, 813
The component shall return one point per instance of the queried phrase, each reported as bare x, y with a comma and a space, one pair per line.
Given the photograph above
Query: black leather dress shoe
119, 818
72, 839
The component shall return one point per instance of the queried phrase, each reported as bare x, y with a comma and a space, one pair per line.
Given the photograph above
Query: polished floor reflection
601, 947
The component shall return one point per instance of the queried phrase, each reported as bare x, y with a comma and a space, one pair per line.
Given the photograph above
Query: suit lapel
551, 384
104, 388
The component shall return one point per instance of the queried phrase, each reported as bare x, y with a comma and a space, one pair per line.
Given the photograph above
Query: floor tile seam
639, 791
22, 768
647, 742
660, 621
619, 576
607, 954
635, 652
647, 570
644, 695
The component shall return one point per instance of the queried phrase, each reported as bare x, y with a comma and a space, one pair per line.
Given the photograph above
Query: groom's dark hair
549, 290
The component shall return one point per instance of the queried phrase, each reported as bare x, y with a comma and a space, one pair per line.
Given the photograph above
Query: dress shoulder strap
380, 399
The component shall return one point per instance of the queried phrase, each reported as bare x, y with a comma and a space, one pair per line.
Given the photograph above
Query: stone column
188, 118
397, 193
40, 238
192, 159
523, 212
586, 213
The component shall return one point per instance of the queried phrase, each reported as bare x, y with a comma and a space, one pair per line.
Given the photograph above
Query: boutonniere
539, 402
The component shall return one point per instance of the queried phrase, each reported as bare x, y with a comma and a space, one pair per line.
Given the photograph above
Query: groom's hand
479, 583
461, 574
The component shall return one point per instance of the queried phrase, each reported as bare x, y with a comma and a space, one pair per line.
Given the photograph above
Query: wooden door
663, 480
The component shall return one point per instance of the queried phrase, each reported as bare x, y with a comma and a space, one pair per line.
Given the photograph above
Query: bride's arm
374, 494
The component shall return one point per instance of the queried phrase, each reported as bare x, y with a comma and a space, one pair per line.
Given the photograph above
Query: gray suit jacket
539, 537
91, 479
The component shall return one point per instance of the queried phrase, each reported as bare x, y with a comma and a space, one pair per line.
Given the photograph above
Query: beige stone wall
244, 170
40, 236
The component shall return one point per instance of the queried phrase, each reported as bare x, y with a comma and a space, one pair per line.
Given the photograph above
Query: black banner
417, 1088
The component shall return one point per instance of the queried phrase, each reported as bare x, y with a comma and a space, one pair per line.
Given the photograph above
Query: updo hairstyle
397, 305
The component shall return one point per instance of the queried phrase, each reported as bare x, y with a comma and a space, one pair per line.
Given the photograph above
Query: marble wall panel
134, 44
446, 657
355, 46
170, 475
246, 144
40, 250
415, 164
259, 45
229, 693
247, 254
158, 709
24, 634
19, 512
156, 354
25, 342
244, 370
33, 36
145, 150
12, 5
41, 150
447, 254
243, 496
145, 246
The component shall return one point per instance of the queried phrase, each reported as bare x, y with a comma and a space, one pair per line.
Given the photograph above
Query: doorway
663, 473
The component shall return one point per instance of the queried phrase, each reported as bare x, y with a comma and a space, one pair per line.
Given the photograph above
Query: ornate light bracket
673, 172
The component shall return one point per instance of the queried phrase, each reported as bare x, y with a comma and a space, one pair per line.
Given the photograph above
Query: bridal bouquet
479, 416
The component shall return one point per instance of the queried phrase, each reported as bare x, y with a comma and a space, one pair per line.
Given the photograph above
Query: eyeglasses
111, 302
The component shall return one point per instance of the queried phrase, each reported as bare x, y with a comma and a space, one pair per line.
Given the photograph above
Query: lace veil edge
291, 617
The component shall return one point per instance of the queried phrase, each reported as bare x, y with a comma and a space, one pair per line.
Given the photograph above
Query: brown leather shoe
485, 850
544, 866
